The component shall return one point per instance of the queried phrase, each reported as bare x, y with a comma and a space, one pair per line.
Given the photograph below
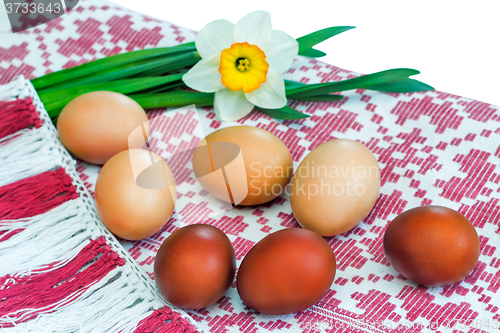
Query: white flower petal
255, 28
282, 51
271, 94
214, 37
205, 76
231, 105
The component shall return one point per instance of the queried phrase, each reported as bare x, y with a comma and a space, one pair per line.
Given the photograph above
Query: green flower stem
54, 103
285, 112
398, 86
312, 53
168, 67
175, 98
164, 88
401, 86
308, 41
180, 98
319, 98
364, 81
107, 63
137, 68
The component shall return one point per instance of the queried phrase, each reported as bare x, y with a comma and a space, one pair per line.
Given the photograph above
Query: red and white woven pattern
432, 148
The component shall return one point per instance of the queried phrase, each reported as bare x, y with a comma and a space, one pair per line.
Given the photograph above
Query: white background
454, 44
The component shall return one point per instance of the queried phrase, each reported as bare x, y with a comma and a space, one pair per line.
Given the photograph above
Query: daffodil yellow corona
243, 66
242, 63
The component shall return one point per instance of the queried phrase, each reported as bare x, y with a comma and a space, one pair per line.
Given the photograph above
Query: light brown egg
195, 266
243, 165
134, 197
286, 272
97, 125
335, 187
432, 245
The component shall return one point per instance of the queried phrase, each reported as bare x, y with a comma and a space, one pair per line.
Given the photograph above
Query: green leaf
285, 112
137, 68
319, 98
308, 41
355, 83
54, 102
176, 98
124, 86
54, 114
312, 53
293, 84
164, 87
170, 67
401, 86
107, 63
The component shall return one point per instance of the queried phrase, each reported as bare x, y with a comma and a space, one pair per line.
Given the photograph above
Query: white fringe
25, 156
18, 133
13, 89
58, 235
6, 89
111, 305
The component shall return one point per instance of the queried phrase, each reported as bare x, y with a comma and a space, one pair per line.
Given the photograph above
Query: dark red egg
195, 266
286, 272
432, 245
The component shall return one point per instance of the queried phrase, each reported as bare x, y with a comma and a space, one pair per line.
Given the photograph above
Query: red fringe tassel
36, 195
165, 321
6, 234
33, 196
17, 115
46, 289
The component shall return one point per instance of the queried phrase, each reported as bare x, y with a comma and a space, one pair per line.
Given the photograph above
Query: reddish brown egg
432, 245
286, 272
195, 266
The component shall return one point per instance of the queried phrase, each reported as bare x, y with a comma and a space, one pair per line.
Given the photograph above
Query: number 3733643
33, 7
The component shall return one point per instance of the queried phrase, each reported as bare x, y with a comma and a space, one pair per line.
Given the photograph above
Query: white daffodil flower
242, 63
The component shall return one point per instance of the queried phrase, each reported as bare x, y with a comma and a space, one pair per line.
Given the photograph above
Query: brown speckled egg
97, 125
286, 272
195, 266
243, 165
432, 245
